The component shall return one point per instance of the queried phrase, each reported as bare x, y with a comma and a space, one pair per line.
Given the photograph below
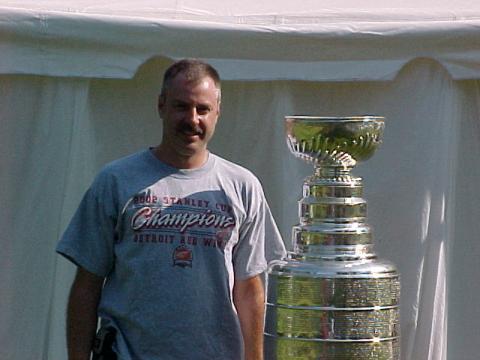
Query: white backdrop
57, 131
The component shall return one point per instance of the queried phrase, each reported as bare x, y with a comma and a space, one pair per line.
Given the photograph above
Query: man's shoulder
235, 171
129, 164
124, 168
125, 162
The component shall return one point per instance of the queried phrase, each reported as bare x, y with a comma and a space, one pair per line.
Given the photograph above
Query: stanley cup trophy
332, 299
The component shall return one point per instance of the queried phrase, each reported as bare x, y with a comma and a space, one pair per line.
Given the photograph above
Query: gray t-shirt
170, 243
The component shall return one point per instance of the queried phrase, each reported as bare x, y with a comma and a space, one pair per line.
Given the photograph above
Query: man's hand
249, 300
82, 314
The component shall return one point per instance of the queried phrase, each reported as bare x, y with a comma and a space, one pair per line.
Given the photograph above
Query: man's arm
82, 314
249, 300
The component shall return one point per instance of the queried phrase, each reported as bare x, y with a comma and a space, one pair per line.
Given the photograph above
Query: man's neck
178, 161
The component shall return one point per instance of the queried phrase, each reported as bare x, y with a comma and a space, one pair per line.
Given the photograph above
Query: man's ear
160, 103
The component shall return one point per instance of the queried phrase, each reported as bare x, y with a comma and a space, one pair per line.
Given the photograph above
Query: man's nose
192, 116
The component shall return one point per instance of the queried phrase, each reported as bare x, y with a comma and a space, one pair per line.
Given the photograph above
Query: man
170, 243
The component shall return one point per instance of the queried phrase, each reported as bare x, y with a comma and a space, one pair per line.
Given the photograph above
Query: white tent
78, 86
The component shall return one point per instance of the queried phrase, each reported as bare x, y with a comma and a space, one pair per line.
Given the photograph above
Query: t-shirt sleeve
89, 238
259, 240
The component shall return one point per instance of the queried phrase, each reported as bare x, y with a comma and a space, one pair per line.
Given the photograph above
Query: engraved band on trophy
332, 299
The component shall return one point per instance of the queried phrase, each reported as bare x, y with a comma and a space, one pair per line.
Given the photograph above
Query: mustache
190, 129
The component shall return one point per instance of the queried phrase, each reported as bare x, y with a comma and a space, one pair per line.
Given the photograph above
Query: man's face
189, 111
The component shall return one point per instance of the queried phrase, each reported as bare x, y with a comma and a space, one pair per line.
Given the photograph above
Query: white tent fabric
323, 41
68, 105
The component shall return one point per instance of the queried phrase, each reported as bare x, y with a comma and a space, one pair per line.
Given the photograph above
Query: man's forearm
249, 298
82, 315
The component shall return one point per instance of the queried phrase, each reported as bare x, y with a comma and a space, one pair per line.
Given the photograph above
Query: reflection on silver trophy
332, 298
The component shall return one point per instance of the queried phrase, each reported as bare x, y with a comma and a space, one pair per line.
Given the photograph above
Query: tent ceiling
165, 8
332, 41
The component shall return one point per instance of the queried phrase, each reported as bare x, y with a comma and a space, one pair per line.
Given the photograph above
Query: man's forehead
181, 86
181, 80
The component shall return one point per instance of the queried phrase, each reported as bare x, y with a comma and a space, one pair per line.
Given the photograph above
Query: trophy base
284, 348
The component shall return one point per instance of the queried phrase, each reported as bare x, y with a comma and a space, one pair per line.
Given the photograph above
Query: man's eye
203, 110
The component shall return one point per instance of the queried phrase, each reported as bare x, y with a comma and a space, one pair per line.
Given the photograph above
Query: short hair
193, 70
